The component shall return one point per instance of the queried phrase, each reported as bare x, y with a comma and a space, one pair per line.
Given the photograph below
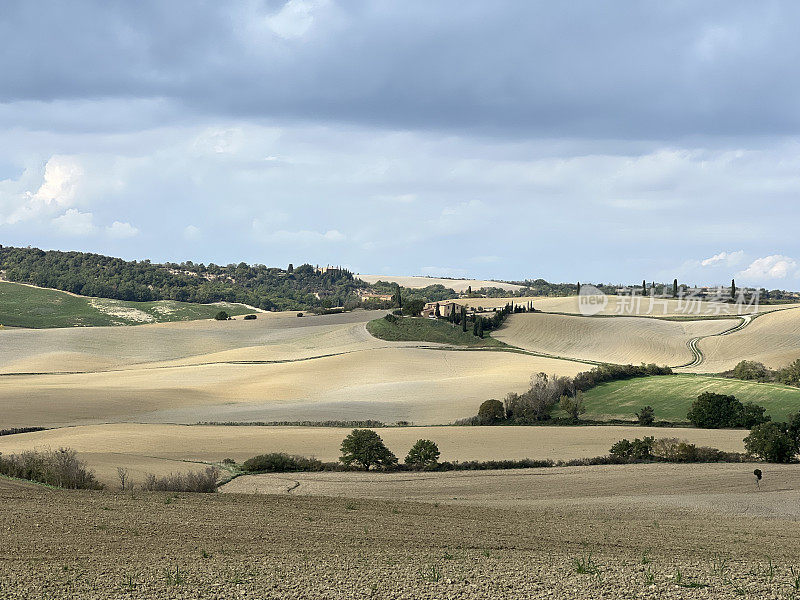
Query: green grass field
26, 306
672, 395
408, 329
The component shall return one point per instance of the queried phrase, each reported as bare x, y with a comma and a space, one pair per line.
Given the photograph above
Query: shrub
280, 462
365, 448
681, 451
424, 454
60, 468
250, 317
752, 415
397, 311
391, 318
490, 412
638, 449
771, 442
646, 416
412, 308
222, 316
790, 375
300, 314
750, 370
205, 481
715, 411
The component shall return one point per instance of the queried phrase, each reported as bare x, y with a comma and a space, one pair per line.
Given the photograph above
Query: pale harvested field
458, 285
773, 339
389, 384
624, 306
141, 446
622, 340
274, 335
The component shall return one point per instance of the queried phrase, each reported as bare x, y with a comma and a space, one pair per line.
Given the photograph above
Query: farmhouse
445, 309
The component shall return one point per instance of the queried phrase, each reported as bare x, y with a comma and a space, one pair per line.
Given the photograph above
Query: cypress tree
675, 288
644, 286
733, 288
579, 288
463, 318
479, 333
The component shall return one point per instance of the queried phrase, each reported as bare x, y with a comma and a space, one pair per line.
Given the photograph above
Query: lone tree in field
424, 454
646, 416
490, 412
675, 288
644, 286
758, 474
733, 288
579, 289
366, 449
574, 406
222, 316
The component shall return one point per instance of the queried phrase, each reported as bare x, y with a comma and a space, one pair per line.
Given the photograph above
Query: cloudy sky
599, 141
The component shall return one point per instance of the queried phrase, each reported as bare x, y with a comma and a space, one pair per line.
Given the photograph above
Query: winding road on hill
697, 354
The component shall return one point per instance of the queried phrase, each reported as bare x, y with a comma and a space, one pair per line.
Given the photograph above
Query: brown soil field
724, 487
101, 545
773, 339
621, 340
458, 285
161, 449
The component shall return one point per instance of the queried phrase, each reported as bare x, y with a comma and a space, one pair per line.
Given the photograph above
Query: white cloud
191, 233
73, 222
727, 258
775, 266
294, 19
120, 230
60, 183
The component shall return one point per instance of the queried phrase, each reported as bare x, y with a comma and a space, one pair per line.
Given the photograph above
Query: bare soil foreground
91, 545
161, 449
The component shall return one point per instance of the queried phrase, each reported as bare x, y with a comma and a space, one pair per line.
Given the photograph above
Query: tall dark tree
675, 288
397, 298
644, 286
579, 288
437, 313
463, 318
733, 288
290, 269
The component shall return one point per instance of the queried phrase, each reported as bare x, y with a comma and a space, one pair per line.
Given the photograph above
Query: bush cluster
717, 411
59, 468
16, 430
204, 481
280, 462
749, 370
